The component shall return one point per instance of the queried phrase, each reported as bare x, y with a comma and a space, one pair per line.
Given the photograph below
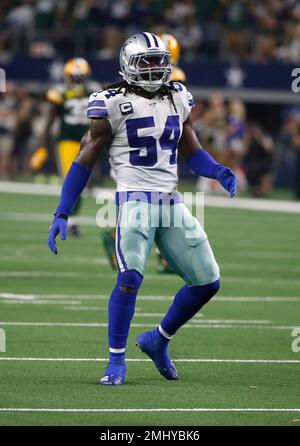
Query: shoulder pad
176, 86
55, 96
111, 93
178, 75
182, 92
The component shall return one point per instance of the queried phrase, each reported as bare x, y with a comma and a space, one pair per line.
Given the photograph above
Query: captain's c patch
126, 108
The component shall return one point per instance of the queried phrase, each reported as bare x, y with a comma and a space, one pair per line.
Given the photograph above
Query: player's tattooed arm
188, 143
94, 141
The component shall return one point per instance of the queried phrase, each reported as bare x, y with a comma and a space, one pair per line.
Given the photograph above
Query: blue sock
187, 302
120, 312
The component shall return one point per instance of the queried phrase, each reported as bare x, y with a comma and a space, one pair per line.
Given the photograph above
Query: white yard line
146, 410
195, 320
200, 360
211, 201
76, 275
230, 321
101, 261
239, 246
63, 259
253, 254
254, 268
196, 324
259, 280
236, 253
42, 217
258, 267
96, 309
41, 302
150, 297
98, 275
262, 299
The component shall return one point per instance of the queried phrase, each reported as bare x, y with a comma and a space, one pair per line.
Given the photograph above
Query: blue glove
227, 178
203, 164
74, 183
59, 226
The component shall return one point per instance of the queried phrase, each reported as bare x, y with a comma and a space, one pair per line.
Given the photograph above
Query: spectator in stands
25, 111
290, 49
189, 34
19, 20
212, 125
7, 122
296, 146
177, 11
268, 19
117, 16
261, 31
290, 139
235, 132
235, 139
143, 15
235, 20
258, 157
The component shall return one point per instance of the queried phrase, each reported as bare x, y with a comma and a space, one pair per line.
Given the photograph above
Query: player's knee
206, 292
135, 261
213, 287
129, 281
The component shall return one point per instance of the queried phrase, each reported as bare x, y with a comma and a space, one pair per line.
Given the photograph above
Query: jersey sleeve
178, 75
185, 99
188, 103
97, 107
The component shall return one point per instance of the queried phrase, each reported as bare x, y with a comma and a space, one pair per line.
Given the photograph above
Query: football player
68, 102
145, 121
177, 75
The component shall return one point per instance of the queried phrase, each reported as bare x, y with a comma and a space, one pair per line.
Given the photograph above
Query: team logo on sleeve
126, 108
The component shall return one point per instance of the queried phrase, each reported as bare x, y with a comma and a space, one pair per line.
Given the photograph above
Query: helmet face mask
148, 67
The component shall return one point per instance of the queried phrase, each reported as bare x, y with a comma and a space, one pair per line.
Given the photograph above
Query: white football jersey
146, 132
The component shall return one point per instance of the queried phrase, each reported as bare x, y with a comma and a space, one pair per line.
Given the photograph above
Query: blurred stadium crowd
222, 29
222, 127
253, 29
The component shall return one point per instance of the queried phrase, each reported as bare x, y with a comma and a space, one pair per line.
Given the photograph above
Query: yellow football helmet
172, 46
77, 70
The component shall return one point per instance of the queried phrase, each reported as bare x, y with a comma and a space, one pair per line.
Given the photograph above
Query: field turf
234, 359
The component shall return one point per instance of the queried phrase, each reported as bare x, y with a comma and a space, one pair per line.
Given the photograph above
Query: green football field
235, 358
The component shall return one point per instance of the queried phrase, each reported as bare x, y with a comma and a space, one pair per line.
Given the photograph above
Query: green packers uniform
72, 104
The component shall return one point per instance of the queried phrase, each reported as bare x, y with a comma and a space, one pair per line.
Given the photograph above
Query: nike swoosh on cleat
104, 379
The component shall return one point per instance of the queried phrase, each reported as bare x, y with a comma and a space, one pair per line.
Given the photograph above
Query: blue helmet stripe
147, 40
155, 40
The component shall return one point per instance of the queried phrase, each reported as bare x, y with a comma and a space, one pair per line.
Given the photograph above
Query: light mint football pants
178, 235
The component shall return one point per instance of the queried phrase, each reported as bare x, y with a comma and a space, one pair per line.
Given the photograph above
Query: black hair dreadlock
128, 88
